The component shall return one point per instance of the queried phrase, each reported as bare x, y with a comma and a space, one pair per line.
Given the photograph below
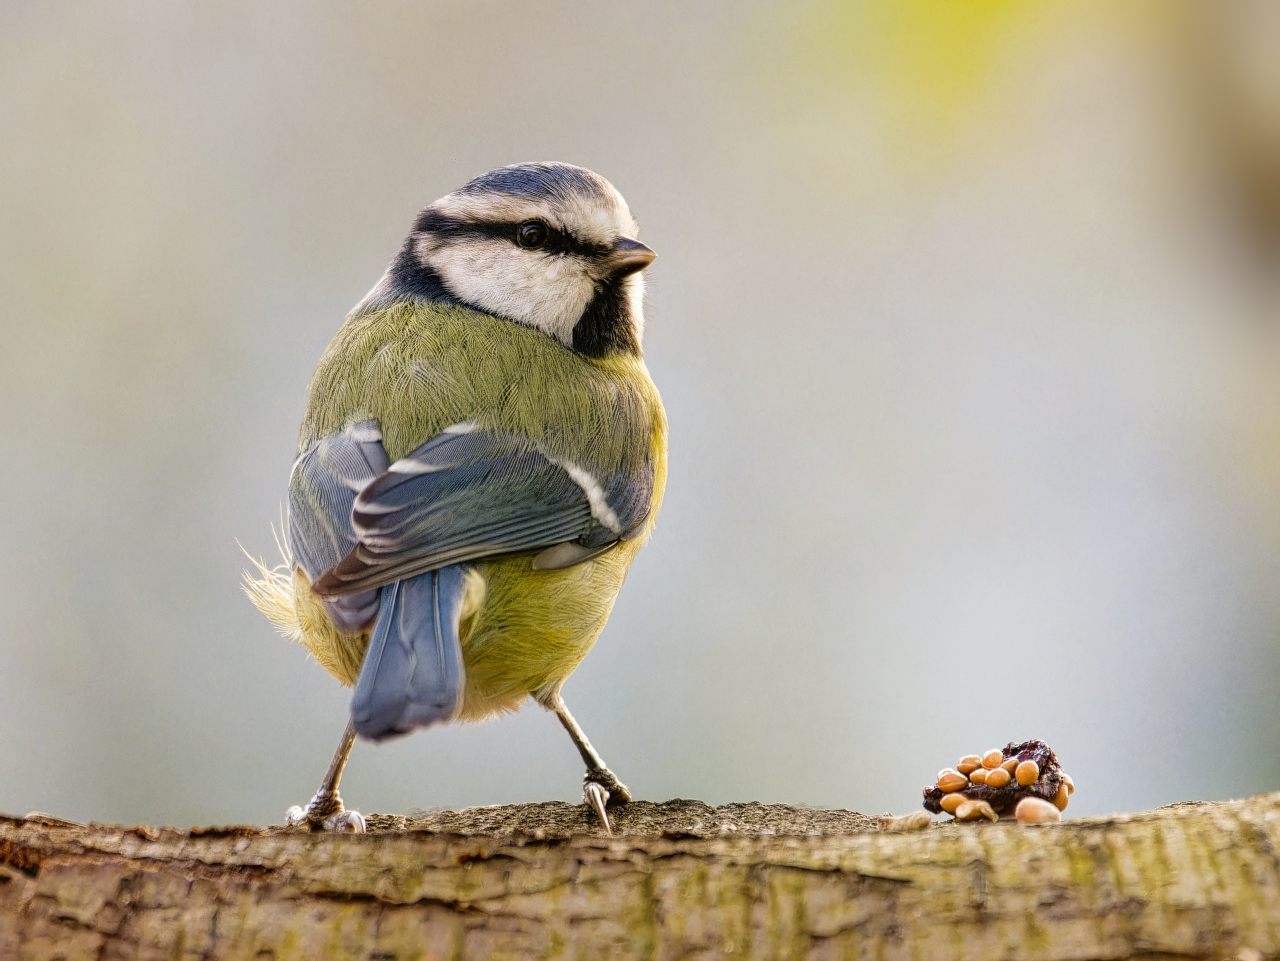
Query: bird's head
547, 245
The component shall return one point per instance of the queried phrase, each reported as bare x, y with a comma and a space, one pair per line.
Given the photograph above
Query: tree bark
682, 880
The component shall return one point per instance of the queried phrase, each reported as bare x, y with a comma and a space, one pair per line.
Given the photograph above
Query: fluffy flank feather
271, 592
285, 598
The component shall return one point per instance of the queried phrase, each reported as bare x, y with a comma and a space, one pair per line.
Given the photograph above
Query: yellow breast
535, 627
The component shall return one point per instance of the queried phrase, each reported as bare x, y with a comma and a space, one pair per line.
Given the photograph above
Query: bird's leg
601, 786
325, 812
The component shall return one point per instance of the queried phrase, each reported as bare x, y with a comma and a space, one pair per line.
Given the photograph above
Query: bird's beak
626, 257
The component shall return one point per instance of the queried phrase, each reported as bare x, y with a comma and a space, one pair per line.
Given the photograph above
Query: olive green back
420, 367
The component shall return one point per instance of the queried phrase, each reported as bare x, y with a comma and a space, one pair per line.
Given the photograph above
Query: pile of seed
1024, 780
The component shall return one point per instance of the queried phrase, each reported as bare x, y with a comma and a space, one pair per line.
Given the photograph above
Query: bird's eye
532, 234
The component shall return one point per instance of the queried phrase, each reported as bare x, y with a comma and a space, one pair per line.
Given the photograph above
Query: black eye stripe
558, 241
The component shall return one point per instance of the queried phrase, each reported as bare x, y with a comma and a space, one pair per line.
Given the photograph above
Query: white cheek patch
546, 291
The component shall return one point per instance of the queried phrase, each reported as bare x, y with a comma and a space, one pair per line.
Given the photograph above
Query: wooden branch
536, 881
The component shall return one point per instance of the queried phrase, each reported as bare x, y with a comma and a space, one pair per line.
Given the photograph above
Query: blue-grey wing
322, 490
471, 493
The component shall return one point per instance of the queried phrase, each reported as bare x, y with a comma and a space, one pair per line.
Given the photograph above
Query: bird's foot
600, 789
326, 813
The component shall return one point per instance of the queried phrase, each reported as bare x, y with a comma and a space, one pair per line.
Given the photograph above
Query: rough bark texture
686, 881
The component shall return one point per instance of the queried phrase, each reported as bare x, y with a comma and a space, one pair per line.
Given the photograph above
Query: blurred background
966, 319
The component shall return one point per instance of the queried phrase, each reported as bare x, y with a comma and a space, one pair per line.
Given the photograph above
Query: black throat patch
606, 326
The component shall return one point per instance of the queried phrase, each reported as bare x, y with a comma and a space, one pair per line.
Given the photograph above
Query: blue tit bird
482, 455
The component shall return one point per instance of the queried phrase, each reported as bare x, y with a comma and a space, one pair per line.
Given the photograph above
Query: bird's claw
600, 789
615, 791
598, 798
325, 812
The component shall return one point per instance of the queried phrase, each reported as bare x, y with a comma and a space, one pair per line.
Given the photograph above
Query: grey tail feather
413, 674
